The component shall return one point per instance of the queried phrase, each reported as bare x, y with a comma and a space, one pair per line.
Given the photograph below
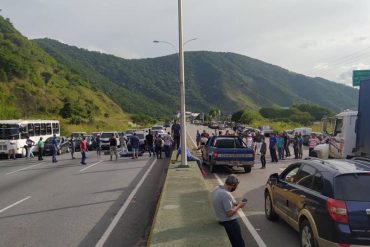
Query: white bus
21, 129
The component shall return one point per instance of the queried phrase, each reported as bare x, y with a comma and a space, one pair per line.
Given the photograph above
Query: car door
281, 189
300, 191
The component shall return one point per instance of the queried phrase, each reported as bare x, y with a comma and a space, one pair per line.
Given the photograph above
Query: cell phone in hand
244, 200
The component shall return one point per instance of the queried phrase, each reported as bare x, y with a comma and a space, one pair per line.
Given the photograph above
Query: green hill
226, 81
35, 85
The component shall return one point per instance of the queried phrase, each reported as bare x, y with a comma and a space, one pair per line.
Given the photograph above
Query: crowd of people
279, 144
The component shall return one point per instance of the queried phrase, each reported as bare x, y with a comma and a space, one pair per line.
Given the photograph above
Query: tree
237, 115
214, 112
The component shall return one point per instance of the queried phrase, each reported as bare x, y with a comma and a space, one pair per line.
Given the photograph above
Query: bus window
43, 129
48, 129
56, 128
30, 130
23, 130
8, 131
37, 129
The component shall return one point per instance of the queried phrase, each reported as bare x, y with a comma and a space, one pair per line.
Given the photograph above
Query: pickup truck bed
227, 151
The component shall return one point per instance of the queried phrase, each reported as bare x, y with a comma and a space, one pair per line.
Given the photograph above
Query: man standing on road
258, 140
29, 145
113, 146
40, 145
12, 148
273, 146
176, 134
167, 142
135, 143
226, 209
263, 153
149, 143
72, 144
83, 149
54, 149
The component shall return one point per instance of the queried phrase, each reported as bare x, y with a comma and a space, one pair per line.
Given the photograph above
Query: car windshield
345, 184
106, 135
8, 131
141, 136
225, 143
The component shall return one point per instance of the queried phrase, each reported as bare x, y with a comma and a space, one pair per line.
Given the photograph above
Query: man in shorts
113, 146
12, 148
135, 142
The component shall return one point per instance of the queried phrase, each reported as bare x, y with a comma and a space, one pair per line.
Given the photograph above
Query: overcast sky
326, 38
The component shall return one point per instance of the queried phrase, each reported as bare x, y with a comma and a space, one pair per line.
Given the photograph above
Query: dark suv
327, 201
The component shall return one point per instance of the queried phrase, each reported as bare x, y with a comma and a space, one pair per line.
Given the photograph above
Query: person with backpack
158, 143
113, 146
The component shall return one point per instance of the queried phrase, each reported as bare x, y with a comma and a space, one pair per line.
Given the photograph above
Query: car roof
340, 166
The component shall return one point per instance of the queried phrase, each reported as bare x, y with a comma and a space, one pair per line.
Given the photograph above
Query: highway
260, 232
105, 203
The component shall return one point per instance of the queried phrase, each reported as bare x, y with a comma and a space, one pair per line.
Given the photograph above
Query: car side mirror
274, 178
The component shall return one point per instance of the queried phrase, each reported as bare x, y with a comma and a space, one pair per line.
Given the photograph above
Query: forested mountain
35, 85
226, 81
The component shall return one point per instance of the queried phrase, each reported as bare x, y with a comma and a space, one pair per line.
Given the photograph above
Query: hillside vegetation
226, 81
35, 85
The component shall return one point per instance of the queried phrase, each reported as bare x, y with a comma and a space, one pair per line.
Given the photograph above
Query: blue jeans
54, 155
83, 159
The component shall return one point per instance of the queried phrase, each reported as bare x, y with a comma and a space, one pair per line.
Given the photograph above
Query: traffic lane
66, 201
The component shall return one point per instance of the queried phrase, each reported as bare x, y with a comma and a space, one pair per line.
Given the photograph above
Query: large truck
351, 132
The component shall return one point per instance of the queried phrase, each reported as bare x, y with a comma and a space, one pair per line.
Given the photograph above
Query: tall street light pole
184, 162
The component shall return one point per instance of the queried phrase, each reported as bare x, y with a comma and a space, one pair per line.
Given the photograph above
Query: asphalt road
67, 204
252, 187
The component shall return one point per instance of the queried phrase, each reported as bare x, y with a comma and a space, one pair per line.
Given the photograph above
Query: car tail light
337, 210
215, 153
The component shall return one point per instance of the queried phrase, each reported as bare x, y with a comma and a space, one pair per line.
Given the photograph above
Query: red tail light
215, 153
337, 210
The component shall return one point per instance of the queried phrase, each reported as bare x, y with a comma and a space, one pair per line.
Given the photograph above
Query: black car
327, 201
63, 144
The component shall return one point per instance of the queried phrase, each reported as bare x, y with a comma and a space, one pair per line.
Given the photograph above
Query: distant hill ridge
34, 85
227, 81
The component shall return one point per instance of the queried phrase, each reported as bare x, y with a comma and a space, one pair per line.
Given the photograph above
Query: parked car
104, 138
326, 201
227, 151
63, 144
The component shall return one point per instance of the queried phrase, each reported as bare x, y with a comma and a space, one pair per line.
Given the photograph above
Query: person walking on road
149, 143
98, 145
167, 143
286, 144
72, 144
135, 143
226, 209
12, 147
83, 149
272, 147
197, 138
29, 145
113, 146
40, 146
280, 146
300, 146
258, 140
176, 134
158, 143
296, 146
54, 149
263, 153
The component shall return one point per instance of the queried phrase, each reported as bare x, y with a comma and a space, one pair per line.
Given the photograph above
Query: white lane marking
24, 168
16, 203
246, 222
97, 163
118, 216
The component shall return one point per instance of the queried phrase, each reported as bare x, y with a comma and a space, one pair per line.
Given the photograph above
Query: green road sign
359, 75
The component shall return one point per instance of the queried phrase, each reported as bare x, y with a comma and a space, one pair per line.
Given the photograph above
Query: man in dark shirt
149, 143
113, 146
273, 147
135, 142
176, 134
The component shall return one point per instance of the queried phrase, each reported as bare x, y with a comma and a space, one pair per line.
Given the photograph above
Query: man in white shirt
167, 140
